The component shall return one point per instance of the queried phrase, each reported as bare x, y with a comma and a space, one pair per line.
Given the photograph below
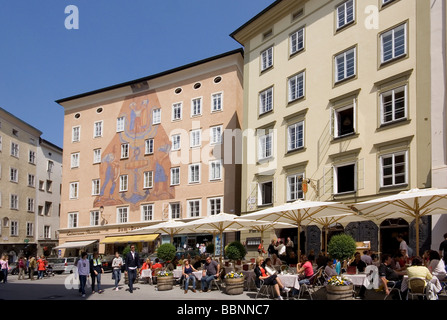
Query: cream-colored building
151, 150
337, 94
18, 182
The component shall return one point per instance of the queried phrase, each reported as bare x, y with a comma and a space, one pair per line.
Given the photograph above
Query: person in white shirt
436, 265
117, 263
269, 268
403, 245
281, 248
83, 272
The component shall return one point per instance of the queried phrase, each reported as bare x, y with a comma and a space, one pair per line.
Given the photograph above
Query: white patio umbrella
414, 203
220, 223
300, 212
171, 228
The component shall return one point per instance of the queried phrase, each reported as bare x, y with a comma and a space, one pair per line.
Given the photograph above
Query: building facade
19, 144
151, 150
338, 95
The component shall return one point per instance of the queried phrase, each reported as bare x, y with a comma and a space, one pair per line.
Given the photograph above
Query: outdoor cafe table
360, 279
177, 273
290, 280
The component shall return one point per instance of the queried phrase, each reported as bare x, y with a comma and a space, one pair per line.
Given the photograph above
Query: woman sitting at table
188, 275
269, 267
146, 265
273, 280
436, 265
275, 260
329, 270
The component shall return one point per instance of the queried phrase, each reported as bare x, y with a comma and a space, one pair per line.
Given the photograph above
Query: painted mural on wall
138, 127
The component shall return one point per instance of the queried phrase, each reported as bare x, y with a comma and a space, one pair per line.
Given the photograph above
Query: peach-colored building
150, 150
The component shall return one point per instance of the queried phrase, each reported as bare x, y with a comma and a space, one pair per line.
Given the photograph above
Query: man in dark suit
132, 266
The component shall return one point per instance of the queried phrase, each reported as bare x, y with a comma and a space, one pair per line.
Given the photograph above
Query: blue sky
117, 41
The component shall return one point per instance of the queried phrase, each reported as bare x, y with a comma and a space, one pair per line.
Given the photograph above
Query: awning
75, 244
133, 238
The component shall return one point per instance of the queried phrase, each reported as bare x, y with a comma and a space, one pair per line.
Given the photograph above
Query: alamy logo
72, 281
72, 21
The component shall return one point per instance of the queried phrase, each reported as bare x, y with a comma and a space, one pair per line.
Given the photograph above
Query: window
122, 214
266, 59
48, 208
14, 202
215, 170
76, 134
385, 2
216, 102
393, 168
74, 190
177, 111
344, 177
394, 105
176, 140
265, 146
294, 187
30, 205
295, 135
75, 160
47, 232
214, 206
297, 41
216, 135
147, 212
32, 157
149, 146
345, 13
29, 229
14, 175
73, 220
97, 156
175, 176
49, 186
174, 210
156, 116
94, 218
194, 208
14, 149
97, 130
31, 180
123, 182
41, 185
394, 43
266, 193
120, 123
194, 173
345, 65
196, 138
124, 151
296, 86
266, 101
196, 107
50, 166
96, 187
14, 228
148, 179
343, 121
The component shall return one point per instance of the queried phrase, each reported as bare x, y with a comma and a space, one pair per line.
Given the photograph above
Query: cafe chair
313, 286
217, 282
268, 289
417, 287
392, 287
147, 278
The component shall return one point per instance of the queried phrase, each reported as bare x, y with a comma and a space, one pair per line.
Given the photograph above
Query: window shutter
332, 123
328, 180
165, 212
252, 197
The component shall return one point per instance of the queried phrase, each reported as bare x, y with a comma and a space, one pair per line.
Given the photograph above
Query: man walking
132, 264
96, 271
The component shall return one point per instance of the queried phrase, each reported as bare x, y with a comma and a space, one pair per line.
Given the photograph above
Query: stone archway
389, 229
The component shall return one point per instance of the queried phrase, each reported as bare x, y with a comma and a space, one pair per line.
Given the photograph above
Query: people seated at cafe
366, 257
271, 280
418, 270
147, 264
329, 269
436, 265
400, 261
375, 260
322, 260
211, 271
197, 262
387, 273
269, 267
358, 263
157, 264
275, 260
305, 269
172, 265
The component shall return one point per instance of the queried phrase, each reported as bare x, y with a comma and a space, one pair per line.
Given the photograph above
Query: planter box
165, 283
234, 286
339, 292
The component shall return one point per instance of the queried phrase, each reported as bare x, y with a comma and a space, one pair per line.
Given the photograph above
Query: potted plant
210, 248
341, 247
234, 283
165, 279
235, 251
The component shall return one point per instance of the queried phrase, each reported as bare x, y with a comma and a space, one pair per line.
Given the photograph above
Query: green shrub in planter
210, 248
342, 247
166, 252
237, 254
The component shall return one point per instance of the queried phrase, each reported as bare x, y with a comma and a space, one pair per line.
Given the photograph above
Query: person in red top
272, 280
41, 266
157, 264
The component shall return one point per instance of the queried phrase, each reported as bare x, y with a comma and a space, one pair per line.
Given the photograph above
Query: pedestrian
117, 263
4, 267
132, 266
96, 270
83, 267
21, 265
261, 249
41, 266
32, 267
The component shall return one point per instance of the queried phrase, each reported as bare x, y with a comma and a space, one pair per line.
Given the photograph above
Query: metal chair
314, 284
267, 286
417, 287
392, 286
217, 281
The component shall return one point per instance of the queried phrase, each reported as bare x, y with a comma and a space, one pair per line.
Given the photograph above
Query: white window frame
335, 173
31, 180
196, 138
73, 220
95, 218
124, 150
344, 56
74, 190
14, 232
32, 157
96, 187
393, 165
267, 58
175, 176
97, 156
194, 214
76, 134
264, 152
176, 142
211, 211
149, 146
344, 6
75, 160
124, 183
98, 129
156, 116
14, 201
29, 229
47, 232
392, 93
392, 33
30, 204
196, 107
145, 214
120, 124
216, 133
13, 175
217, 102
297, 86
177, 108
15, 149
215, 165
260, 192
194, 173
178, 215
297, 40
335, 121
122, 214
295, 181
148, 179
266, 101
297, 143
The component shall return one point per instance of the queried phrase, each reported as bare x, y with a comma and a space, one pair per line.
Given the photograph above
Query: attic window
99, 110
197, 85
297, 14
77, 115
178, 91
15, 132
267, 34
217, 79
